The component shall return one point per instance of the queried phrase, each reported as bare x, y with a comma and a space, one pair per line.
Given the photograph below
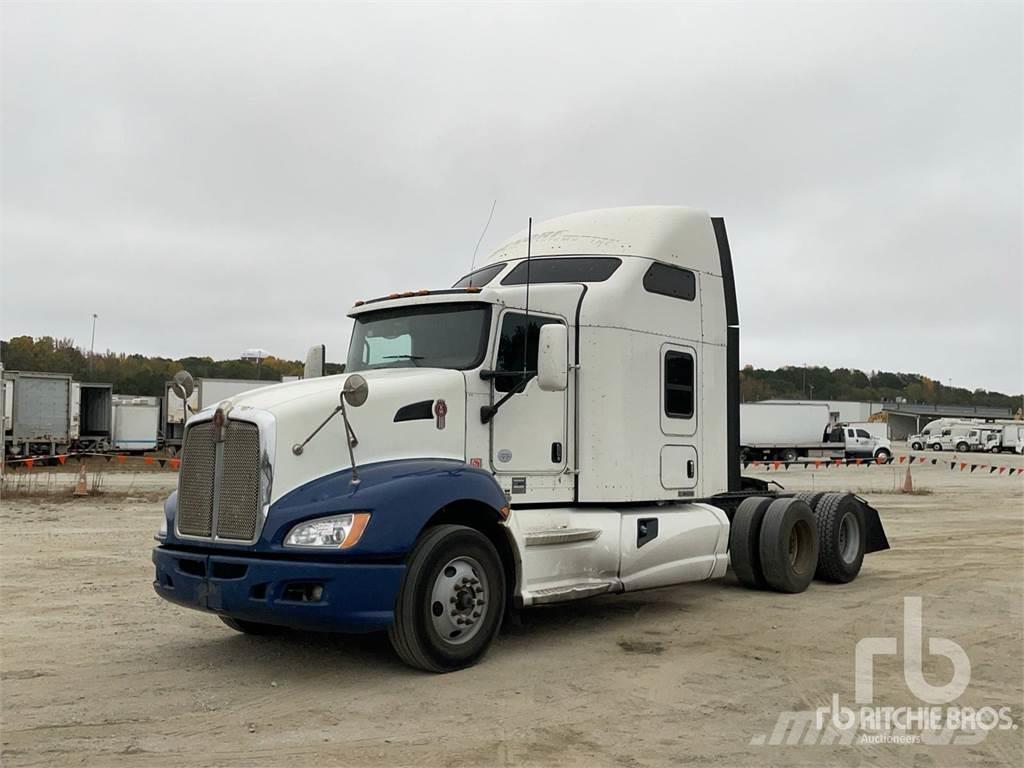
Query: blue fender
401, 497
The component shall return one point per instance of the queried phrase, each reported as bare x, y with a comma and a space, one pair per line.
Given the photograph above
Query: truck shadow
296, 656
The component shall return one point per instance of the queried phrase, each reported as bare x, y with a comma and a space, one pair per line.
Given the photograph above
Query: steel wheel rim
458, 600
849, 538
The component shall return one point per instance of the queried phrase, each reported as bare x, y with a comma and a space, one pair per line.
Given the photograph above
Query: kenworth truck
562, 423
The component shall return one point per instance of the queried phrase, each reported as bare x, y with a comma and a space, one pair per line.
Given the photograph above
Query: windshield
435, 336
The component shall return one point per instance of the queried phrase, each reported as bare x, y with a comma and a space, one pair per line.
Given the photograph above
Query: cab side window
863, 433
517, 349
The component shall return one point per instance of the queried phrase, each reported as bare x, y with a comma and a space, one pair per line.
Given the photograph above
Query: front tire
916, 446
936, 446
451, 602
963, 447
882, 456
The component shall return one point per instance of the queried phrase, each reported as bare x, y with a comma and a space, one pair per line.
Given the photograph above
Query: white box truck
564, 422
788, 432
1010, 438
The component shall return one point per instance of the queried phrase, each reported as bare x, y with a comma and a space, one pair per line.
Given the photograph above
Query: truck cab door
529, 434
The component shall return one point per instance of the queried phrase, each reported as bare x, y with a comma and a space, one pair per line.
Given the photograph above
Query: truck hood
398, 420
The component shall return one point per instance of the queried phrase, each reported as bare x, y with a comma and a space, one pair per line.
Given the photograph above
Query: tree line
142, 375
821, 383
135, 374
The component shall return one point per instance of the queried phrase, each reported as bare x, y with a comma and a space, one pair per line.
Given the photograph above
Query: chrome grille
195, 481
240, 483
228, 478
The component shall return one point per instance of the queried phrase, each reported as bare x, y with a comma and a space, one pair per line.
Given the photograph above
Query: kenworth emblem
440, 410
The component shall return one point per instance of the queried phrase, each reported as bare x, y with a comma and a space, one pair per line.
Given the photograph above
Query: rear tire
250, 627
744, 541
789, 545
842, 537
451, 602
790, 455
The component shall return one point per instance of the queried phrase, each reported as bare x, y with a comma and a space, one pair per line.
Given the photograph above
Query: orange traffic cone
80, 486
908, 482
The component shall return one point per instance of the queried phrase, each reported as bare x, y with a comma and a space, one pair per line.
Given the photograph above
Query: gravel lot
96, 670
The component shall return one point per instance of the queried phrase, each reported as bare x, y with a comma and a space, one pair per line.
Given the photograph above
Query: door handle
556, 453
690, 469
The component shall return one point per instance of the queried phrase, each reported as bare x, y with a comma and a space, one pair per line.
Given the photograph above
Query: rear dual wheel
769, 544
842, 537
773, 544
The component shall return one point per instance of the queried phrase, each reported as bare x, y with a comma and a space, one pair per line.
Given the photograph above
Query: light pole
92, 344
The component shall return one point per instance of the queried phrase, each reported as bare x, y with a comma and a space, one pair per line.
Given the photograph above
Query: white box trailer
41, 412
136, 423
783, 423
207, 392
7, 398
92, 416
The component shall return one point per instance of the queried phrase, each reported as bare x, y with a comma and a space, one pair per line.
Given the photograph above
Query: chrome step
571, 592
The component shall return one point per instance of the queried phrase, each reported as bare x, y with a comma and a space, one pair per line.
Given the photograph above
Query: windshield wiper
402, 357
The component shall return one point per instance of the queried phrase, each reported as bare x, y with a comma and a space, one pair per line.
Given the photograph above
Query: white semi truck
562, 423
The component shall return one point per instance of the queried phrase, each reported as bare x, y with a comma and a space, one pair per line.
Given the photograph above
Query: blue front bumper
354, 597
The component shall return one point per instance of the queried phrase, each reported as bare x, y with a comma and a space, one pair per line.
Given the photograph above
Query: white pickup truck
562, 423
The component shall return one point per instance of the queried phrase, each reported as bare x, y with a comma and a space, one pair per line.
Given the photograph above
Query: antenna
481, 238
526, 335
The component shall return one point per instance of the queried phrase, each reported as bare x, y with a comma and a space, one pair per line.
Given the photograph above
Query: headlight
337, 531
162, 533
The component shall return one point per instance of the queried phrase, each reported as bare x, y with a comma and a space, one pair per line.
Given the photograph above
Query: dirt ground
96, 670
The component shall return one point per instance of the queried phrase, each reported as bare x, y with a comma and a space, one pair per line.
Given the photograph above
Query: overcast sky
212, 177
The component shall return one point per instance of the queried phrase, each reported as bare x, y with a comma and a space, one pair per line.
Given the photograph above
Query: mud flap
876, 538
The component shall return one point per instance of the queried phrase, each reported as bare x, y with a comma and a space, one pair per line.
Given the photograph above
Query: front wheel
936, 446
882, 455
450, 605
916, 446
962, 447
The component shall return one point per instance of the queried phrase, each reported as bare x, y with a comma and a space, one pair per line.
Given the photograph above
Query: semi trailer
563, 423
43, 413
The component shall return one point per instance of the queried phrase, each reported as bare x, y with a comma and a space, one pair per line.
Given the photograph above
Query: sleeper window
678, 385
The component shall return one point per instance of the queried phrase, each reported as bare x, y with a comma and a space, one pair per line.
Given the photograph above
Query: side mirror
314, 367
553, 358
183, 385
